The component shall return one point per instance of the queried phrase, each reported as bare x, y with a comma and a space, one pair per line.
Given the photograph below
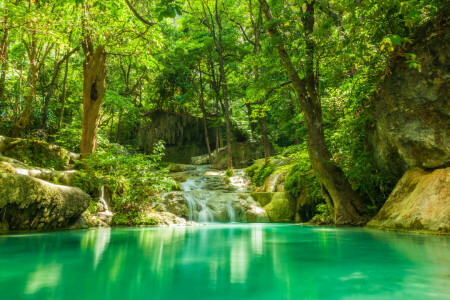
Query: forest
224, 149
302, 89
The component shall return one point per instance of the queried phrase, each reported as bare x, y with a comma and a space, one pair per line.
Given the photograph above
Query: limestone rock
174, 203
173, 168
33, 204
257, 214
262, 198
13, 166
411, 111
35, 152
280, 209
419, 202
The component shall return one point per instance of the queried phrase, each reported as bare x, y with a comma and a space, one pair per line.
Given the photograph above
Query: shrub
229, 173
136, 180
259, 173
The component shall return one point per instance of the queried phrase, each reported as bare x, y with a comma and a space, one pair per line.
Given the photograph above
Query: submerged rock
420, 202
32, 204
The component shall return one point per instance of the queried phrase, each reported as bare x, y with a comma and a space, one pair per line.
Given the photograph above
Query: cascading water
210, 196
231, 212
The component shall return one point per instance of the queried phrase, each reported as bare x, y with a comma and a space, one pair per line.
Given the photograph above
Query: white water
210, 196
231, 212
104, 208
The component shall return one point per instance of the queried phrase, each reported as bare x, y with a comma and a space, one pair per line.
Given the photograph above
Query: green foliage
259, 173
38, 153
229, 173
323, 215
135, 180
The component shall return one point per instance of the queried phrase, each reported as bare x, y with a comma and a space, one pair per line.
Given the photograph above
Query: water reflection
96, 240
44, 276
224, 262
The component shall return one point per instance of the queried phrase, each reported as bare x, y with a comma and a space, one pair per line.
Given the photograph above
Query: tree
341, 198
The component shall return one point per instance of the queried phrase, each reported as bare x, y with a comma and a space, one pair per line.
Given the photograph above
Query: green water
225, 262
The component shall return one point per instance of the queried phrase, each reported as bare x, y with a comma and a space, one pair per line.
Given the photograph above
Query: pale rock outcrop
420, 202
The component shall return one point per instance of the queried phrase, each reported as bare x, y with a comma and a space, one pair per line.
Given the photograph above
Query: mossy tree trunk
94, 73
346, 203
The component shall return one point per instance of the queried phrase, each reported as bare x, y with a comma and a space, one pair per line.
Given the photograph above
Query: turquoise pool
256, 261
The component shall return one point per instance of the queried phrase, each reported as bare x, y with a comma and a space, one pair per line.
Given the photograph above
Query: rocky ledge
419, 202
28, 203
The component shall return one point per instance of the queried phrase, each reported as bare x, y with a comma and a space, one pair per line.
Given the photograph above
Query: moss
259, 173
37, 153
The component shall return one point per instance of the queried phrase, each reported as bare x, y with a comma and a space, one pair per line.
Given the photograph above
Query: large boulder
419, 202
29, 203
411, 110
36, 153
280, 209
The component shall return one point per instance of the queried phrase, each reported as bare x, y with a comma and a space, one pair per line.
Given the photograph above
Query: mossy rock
33, 204
35, 153
280, 209
262, 198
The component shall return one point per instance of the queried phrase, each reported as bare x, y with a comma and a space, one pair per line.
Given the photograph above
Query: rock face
419, 202
278, 206
183, 135
412, 109
244, 153
32, 204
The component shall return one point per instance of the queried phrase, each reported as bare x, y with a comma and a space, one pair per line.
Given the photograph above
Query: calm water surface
225, 262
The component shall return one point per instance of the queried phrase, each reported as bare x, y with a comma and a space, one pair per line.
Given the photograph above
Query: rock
173, 168
280, 209
183, 134
174, 203
411, 110
420, 202
273, 183
13, 166
200, 160
35, 152
305, 207
262, 198
257, 215
33, 204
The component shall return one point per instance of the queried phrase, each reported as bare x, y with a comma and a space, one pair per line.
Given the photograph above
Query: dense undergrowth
133, 180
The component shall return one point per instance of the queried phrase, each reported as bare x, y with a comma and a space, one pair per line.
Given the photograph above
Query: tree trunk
20, 125
223, 80
4, 59
94, 72
348, 207
119, 125
63, 95
265, 140
217, 38
205, 124
34, 51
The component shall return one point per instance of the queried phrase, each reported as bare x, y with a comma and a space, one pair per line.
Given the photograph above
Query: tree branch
136, 14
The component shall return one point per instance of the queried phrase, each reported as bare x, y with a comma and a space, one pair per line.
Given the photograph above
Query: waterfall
231, 213
102, 200
103, 209
210, 196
